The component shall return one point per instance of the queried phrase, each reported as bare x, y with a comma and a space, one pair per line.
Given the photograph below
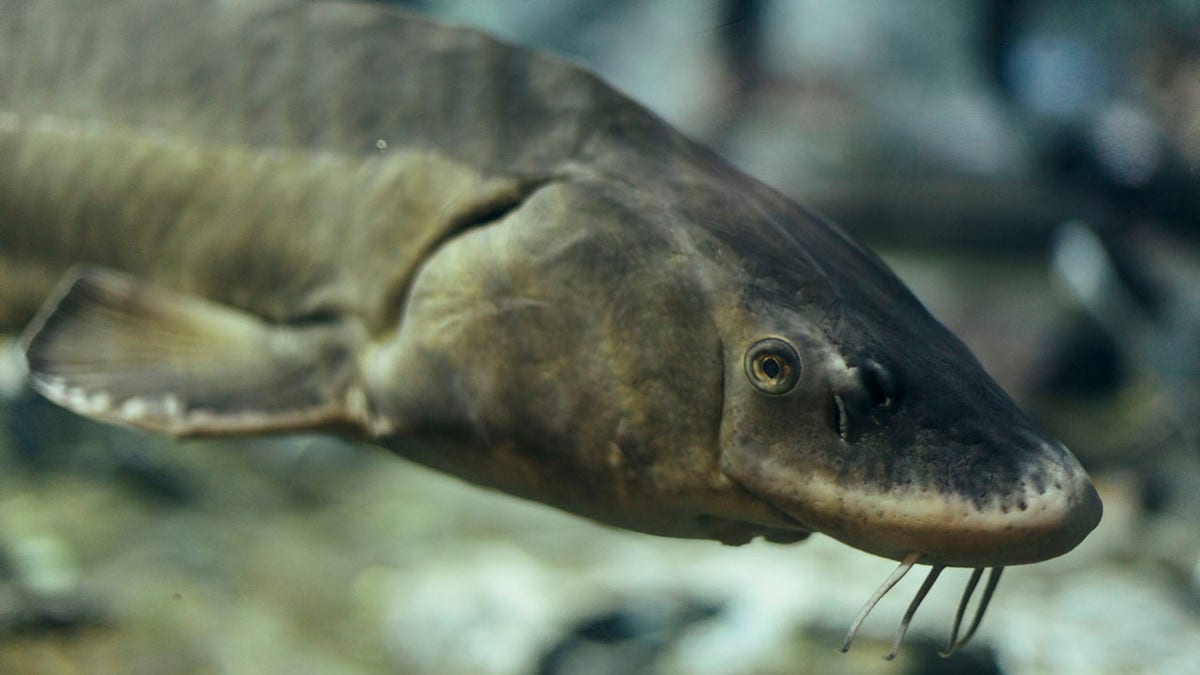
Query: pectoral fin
112, 347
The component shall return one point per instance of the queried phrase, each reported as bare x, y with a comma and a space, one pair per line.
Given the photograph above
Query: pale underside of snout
1034, 521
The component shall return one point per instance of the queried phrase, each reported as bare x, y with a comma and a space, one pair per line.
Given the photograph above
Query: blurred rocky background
1029, 168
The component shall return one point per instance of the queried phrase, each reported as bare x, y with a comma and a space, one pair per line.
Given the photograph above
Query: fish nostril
881, 387
839, 421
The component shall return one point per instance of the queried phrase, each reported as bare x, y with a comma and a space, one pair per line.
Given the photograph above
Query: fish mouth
1046, 524
1039, 505
956, 532
1040, 520
1042, 515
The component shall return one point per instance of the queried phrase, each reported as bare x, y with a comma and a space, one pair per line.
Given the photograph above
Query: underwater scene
362, 337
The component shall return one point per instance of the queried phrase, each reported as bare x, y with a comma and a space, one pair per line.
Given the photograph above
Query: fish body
276, 215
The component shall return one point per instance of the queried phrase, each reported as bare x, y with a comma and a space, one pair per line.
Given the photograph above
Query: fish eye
772, 366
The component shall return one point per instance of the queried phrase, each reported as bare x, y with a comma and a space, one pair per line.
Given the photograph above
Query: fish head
707, 359
851, 409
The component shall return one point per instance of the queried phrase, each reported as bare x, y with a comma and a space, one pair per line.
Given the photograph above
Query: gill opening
491, 211
487, 212
894, 578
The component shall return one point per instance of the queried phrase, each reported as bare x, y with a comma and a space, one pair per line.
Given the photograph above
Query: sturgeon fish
272, 215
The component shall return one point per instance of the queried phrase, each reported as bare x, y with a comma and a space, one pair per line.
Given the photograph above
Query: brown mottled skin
551, 290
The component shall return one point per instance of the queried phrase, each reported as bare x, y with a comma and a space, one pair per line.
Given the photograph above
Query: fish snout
1048, 512
1052, 510
1042, 512
1056, 506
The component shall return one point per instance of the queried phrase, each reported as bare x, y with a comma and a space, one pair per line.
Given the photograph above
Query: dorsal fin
112, 347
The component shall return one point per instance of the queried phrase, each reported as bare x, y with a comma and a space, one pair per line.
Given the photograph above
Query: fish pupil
771, 367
